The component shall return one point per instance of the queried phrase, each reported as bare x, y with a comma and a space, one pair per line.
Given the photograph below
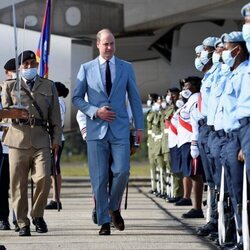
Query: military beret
233, 37
210, 41
198, 49
10, 65
26, 55
245, 11
153, 96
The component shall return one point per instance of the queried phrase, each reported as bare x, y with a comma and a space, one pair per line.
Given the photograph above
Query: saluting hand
105, 114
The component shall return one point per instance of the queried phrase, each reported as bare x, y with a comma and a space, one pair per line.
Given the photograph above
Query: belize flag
42, 52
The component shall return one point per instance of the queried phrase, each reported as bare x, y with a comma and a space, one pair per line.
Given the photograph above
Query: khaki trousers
22, 161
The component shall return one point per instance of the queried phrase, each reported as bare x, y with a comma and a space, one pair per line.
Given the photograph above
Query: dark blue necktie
108, 78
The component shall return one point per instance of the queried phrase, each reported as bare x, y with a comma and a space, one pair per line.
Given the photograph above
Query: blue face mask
29, 74
246, 35
198, 64
227, 57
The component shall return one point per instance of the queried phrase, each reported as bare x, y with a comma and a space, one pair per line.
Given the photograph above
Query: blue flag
42, 52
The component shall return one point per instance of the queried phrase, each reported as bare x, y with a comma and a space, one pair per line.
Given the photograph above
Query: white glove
194, 151
84, 133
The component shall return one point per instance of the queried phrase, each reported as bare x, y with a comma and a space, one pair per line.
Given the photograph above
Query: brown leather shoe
105, 229
117, 220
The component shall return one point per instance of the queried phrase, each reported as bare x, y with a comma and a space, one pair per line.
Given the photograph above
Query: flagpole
16, 57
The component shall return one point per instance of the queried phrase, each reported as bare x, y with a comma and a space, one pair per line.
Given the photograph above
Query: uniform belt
202, 122
31, 122
211, 127
231, 134
244, 121
220, 133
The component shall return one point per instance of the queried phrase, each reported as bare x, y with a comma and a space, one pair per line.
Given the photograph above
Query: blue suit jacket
89, 82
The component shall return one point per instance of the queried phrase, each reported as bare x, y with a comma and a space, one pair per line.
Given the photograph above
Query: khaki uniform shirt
24, 136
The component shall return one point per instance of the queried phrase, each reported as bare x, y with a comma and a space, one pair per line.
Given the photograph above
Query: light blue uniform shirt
214, 96
206, 88
219, 93
242, 89
230, 122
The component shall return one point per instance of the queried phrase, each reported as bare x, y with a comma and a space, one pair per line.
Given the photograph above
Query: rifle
54, 172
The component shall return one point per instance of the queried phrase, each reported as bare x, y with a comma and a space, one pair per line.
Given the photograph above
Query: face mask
186, 93
216, 58
204, 57
198, 64
246, 35
225, 69
168, 99
164, 105
227, 57
246, 32
179, 103
29, 74
156, 107
149, 103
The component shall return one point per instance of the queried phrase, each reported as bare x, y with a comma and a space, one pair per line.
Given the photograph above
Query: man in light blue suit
106, 80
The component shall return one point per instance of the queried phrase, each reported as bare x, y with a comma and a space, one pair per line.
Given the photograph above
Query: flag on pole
42, 52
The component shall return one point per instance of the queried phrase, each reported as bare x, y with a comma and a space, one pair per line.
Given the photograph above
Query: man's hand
105, 114
84, 133
241, 156
139, 135
14, 113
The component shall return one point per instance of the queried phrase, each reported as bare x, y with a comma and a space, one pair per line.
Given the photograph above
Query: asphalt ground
150, 223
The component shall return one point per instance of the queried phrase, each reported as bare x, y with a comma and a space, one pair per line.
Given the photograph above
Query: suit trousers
98, 160
23, 161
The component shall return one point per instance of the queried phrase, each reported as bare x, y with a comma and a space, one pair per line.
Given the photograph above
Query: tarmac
150, 223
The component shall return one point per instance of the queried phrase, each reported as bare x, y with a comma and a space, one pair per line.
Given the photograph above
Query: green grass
79, 168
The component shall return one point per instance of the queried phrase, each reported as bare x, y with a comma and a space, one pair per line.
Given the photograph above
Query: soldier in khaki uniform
29, 141
165, 171
152, 98
157, 149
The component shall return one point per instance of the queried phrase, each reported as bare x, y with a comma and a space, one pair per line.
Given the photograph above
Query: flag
42, 52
